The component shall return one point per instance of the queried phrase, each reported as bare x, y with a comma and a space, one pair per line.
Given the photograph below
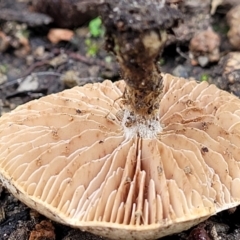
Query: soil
31, 67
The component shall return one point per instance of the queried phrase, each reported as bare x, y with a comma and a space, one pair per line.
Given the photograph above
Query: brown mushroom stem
136, 33
139, 69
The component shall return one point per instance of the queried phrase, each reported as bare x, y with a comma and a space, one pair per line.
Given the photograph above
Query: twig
33, 66
19, 80
182, 54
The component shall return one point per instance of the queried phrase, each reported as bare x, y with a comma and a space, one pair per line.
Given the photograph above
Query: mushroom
136, 159
76, 158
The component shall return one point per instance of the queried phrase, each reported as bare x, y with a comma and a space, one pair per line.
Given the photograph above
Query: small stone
39, 51
181, 71
70, 78
30, 83
203, 61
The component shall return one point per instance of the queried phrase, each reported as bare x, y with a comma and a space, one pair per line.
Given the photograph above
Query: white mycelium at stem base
136, 125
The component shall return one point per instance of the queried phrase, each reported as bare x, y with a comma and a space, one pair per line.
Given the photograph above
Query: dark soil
31, 67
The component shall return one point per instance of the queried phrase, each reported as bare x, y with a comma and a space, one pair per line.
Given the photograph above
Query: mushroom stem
138, 63
135, 32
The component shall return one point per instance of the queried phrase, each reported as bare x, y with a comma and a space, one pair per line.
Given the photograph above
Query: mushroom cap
69, 156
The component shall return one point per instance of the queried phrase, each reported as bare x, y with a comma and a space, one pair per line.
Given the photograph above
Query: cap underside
69, 156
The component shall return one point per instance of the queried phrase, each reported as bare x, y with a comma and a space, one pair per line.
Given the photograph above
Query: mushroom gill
70, 157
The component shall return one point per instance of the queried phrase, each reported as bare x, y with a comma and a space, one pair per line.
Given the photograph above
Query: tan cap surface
72, 157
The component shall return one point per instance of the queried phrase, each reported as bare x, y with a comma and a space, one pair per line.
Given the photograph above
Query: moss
204, 77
